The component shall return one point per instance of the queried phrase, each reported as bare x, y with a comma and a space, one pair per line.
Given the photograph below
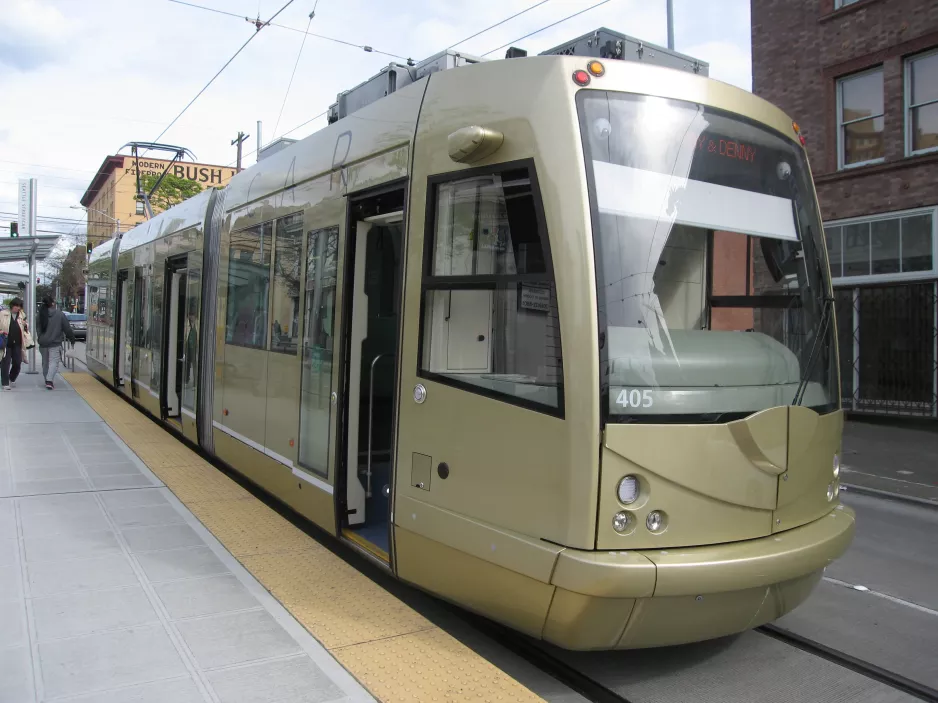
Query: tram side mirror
471, 144
780, 257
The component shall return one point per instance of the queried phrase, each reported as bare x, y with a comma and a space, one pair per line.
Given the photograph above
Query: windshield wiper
826, 315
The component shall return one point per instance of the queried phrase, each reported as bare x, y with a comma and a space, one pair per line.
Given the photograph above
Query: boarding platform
131, 569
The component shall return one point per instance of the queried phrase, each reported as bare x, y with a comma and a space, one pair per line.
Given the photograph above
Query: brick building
111, 195
861, 78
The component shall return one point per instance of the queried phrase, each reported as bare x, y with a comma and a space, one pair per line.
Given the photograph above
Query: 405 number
634, 398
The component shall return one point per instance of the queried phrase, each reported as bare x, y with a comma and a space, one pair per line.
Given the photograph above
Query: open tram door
372, 284
174, 338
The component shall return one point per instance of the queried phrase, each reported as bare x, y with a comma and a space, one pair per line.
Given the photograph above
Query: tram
550, 337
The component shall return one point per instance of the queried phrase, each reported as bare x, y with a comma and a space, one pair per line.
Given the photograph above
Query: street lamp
104, 214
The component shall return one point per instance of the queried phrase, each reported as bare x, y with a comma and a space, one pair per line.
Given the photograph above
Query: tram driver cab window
490, 322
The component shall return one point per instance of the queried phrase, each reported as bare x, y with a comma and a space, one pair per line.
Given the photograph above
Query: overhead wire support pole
239, 140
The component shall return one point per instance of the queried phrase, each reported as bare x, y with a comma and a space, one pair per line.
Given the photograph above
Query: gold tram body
520, 529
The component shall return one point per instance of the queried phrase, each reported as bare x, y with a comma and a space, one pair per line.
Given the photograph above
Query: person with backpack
14, 341
53, 327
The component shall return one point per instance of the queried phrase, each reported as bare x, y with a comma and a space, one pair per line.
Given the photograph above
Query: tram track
595, 691
536, 655
859, 666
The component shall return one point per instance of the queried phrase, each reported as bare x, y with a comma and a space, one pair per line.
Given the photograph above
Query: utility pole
670, 24
260, 141
238, 141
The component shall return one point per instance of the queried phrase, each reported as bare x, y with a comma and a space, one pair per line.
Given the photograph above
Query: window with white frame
921, 100
895, 247
860, 119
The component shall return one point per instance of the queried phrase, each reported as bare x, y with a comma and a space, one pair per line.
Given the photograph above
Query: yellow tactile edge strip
396, 653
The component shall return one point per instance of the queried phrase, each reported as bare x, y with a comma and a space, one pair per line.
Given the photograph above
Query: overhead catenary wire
227, 63
553, 24
260, 25
498, 24
292, 75
472, 36
335, 40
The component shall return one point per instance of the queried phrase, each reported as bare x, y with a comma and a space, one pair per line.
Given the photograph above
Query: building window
285, 322
921, 97
248, 287
843, 3
490, 322
893, 247
860, 119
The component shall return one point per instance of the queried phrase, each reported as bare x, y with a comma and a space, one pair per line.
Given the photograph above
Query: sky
80, 79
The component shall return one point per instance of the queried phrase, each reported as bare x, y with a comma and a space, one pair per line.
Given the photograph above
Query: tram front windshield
712, 278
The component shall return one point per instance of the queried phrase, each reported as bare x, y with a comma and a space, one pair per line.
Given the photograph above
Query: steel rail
848, 661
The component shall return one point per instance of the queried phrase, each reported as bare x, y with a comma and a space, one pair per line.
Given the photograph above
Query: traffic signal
14, 229
88, 247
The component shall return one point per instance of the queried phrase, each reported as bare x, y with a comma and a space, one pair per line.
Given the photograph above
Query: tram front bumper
650, 598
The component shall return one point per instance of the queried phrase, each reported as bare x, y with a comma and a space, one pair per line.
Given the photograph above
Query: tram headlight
622, 522
628, 490
830, 491
836, 465
656, 521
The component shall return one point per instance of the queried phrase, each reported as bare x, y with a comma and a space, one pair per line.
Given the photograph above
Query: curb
850, 487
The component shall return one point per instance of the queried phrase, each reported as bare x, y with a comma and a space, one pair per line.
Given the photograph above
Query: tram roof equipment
601, 44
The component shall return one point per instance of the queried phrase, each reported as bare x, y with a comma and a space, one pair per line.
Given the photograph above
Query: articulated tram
550, 337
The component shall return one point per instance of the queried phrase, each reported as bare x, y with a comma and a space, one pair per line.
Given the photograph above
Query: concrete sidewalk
891, 458
112, 590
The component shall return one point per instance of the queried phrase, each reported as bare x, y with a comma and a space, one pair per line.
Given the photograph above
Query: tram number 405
634, 398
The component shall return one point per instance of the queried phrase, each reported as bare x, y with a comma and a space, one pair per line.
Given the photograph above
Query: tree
68, 277
172, 191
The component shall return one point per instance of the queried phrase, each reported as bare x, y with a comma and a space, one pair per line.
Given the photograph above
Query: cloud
729, 63
96, 75
32, 34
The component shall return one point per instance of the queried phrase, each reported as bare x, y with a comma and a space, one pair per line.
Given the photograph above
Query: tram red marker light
596, 68
581, 77
291, 442
802, 139
225, 411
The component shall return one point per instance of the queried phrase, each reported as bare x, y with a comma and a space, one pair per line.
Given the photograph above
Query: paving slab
112, 591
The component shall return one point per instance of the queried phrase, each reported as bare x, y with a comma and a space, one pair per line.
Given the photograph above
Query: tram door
371, 333
122, 318
174, 339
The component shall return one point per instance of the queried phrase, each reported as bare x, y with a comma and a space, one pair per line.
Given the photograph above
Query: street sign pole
26, 217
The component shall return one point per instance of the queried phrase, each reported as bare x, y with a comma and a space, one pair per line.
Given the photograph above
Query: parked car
79, 323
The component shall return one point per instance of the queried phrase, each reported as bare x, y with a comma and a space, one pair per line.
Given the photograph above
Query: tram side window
285, 317
490, 303
248, 286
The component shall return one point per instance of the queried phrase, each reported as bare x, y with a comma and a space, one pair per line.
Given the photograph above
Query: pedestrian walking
54, 327
14, 341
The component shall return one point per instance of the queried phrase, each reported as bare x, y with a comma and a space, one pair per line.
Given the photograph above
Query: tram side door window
122, 318
318, 350
190, 326
174, 337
